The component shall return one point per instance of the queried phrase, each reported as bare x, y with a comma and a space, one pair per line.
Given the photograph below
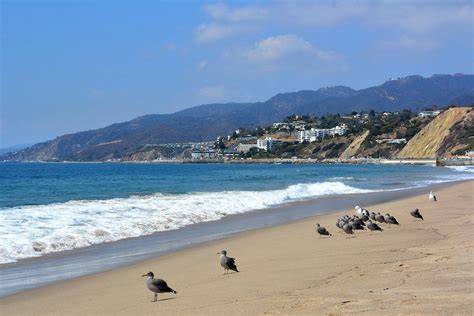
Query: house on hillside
424, 114
316, 134
267, 143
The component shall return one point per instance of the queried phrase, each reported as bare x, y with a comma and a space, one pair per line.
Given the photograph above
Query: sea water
53, 207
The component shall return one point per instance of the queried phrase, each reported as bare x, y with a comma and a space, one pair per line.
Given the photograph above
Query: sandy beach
419, 267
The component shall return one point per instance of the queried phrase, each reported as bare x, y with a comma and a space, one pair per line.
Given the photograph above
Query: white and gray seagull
157, 285
227, 263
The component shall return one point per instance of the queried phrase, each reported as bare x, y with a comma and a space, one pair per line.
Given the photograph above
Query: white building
266, 143
424, 114
280, 125
339, 130
315, 134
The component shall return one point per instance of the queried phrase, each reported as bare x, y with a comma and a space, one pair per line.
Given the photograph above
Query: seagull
363, 218
361, 211
416, 213
322, 230
379, 218
357, 220
373, 226
390, 219
347, 228
372, 216
358, 210
356, 225
432, 197
227, 263
157, 285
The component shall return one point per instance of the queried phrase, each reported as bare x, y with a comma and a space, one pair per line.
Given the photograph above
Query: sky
68, 66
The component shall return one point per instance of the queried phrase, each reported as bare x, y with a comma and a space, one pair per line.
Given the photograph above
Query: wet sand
420, 267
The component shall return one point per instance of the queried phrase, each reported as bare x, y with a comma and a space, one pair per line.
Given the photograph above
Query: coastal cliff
446, 135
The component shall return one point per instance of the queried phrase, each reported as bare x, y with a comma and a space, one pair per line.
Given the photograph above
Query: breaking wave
31, 231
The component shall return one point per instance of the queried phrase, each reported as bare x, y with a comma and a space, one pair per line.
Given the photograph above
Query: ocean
53, 207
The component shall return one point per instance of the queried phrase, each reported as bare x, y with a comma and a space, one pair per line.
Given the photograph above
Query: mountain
13, 148
206, 122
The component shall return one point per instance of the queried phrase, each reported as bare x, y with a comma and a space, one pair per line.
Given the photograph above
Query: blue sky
68, 66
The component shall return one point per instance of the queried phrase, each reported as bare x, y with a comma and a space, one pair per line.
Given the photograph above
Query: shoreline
107, 256
245, 247
442, 162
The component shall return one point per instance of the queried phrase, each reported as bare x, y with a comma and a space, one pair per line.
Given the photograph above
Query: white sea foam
469, 169
30, 231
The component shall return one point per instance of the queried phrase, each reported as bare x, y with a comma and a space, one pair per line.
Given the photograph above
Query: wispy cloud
433, 17
286, 52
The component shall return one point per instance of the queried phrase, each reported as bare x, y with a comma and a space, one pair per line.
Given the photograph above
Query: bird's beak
218, 253
144, 275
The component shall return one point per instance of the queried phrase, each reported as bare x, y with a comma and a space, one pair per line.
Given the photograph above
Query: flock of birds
347, 224
364, 219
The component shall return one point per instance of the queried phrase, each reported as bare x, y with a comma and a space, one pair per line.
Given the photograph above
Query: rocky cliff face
354, 147
446, 135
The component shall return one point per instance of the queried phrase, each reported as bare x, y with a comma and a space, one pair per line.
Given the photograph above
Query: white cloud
287, 52
422, 15
408, 17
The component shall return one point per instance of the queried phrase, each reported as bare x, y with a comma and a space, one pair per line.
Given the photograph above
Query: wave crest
30, 231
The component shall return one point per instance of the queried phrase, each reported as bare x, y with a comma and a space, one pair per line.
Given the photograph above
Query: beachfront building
316, 134
424, 114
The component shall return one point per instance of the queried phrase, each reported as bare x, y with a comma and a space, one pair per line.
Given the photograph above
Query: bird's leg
156, 297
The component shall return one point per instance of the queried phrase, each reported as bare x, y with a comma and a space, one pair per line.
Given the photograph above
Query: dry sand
420, 267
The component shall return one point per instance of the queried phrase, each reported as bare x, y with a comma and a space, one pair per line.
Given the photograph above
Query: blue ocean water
50, 207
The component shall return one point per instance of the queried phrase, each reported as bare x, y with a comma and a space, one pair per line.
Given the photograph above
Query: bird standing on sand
347, 228
432, 197
416, 213
157, 285
389, 219
227, 263
322, 230
373, 226
363, 218
361, 211
379, 218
